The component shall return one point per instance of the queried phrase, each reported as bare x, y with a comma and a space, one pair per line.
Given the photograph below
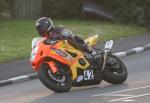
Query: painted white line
136, 96
138, 49
119, 95
128, 100
121, 91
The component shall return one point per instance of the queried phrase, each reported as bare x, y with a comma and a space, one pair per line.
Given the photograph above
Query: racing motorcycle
60, 65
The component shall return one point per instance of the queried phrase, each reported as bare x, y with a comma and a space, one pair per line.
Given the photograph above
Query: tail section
91, 41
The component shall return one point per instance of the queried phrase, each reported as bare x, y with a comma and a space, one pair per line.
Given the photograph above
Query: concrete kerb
18, 79
34, 75
133, 51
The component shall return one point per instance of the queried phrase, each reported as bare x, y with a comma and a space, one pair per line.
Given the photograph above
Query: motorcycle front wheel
115, 71
58, 82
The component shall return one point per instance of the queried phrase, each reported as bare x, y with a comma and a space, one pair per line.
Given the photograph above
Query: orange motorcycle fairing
44, 52
60, 51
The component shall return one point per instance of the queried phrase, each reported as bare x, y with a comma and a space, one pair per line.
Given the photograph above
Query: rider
45, 28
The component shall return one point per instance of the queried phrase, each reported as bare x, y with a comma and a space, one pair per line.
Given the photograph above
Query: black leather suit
62, 33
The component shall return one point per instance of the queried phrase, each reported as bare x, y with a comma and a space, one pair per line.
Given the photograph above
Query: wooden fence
27, 9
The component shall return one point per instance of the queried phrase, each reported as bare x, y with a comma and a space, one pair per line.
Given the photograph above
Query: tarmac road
135, 90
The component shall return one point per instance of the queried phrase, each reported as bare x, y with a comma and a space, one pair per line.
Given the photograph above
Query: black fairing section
97, 79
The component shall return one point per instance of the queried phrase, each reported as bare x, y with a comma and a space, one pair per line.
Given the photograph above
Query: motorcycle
60, 66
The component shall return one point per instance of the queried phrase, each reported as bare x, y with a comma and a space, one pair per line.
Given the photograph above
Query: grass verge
16, 35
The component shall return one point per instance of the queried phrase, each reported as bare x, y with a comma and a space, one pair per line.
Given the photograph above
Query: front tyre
59, 82
115, 71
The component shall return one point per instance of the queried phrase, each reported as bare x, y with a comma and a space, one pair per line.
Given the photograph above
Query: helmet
44, 25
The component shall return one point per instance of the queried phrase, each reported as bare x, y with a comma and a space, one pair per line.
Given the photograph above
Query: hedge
4, 4
62, 8
126, 10
132, 10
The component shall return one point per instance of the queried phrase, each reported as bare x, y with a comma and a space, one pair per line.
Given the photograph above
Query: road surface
135, 90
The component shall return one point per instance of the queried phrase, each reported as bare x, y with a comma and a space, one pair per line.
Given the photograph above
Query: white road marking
129, 100
118, 95
121, 91
136, 96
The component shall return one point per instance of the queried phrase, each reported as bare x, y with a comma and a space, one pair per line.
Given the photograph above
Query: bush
3, 5
132, 10
126, 10
61, 8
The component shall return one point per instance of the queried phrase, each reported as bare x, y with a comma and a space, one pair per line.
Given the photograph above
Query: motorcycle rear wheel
52, 82
115, 75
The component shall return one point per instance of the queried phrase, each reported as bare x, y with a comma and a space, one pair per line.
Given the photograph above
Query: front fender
36, 64
52, 66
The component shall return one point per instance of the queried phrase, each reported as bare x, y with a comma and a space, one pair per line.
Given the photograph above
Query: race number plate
109, 44
88, 75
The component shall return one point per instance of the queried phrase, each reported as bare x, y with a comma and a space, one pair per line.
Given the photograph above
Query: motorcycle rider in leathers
45, 28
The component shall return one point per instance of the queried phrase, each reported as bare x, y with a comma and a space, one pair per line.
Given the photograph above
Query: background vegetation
131, 11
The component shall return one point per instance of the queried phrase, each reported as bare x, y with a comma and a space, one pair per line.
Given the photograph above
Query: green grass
16, 35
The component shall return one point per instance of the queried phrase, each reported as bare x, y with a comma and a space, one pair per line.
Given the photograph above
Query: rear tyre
60, 82
115, 73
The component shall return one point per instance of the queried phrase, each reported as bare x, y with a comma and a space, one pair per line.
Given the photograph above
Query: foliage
126, 10
4, 5
132, 10
61, 8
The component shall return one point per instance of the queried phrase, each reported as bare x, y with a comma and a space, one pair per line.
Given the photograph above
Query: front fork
105, 58
107, 49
